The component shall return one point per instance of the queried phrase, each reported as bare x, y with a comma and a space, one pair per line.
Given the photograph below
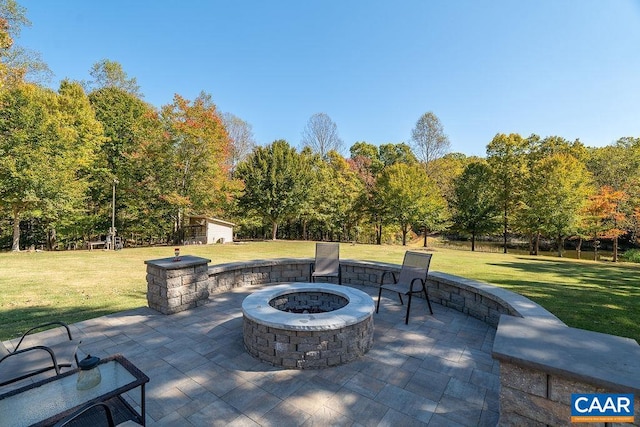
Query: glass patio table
48, 401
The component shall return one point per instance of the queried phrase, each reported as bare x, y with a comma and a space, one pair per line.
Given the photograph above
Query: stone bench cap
602, 360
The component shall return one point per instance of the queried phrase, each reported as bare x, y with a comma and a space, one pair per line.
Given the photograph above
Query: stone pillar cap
183, 262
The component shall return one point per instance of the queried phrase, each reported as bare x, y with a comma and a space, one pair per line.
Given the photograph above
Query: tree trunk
560, 246
530, 244
379, 234
473, 241
424, 244
51, 238
274, 228
615, 249
537, 247
404, 235
505, 229
15, 245
595, 248
579, 248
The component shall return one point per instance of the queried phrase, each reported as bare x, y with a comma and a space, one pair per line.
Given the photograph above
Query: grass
78, 285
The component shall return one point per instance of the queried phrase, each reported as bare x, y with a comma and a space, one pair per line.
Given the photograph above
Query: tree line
539, 188
65, 154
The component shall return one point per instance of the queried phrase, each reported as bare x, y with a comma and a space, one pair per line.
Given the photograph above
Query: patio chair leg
426, 295
379, 294
406, 320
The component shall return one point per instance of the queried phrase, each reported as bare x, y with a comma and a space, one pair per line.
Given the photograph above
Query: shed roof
214, 220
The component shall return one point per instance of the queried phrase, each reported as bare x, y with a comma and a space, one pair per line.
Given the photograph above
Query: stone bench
200, 282
480, 300
543, 363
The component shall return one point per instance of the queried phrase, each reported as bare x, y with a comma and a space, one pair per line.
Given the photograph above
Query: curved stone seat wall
536, 386
480, 300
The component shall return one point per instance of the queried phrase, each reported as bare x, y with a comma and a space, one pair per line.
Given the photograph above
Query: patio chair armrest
384, 274
44, 325
37, 347
413, 281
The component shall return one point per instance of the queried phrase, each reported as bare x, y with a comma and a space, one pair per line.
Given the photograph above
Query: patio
437, 370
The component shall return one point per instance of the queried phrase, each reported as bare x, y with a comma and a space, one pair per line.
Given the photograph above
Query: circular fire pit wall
308, 325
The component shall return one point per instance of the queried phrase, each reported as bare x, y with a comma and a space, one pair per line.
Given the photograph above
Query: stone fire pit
308, 325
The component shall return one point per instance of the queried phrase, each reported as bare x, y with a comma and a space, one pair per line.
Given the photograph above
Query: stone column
174, 286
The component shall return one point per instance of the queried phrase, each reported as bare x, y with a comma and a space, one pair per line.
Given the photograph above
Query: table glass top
47, 400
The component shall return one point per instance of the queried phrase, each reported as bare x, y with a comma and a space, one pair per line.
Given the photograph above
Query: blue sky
552, 67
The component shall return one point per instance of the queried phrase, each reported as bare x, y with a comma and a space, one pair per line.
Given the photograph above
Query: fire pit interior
308, 325
308, 302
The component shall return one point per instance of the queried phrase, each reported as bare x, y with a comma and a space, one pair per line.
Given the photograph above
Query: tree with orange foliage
201, 152
604, 218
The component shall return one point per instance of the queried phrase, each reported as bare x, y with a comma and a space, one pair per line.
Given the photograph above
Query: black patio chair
327, 262
94, 414
412, 279
28, 360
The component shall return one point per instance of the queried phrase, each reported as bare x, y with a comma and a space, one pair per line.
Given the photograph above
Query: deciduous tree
321, 135
366, 160
554, 192
201, 150
446, 169
149, 176
390, 154
616, 169
429, 141
17, 64
475, 207
107, 73
12, 18
275, 183
408, 196
336, 192
121, 114
604, 217
47, 144
608, 204
241, 137
506, 155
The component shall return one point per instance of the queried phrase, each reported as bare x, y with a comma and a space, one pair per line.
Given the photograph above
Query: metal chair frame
409, 276
55, 365
327, 254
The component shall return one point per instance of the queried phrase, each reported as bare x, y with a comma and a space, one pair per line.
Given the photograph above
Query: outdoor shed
205, 230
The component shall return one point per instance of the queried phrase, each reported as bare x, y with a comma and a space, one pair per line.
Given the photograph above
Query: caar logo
595, 407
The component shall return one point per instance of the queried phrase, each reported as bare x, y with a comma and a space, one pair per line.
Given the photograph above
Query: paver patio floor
435, 371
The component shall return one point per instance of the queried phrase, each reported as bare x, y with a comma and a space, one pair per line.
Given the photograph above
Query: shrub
632, 255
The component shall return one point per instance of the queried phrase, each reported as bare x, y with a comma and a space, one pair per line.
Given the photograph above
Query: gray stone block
523, 379
534, 407
560, 389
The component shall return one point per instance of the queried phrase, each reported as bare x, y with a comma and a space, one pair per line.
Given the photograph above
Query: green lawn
77, 285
